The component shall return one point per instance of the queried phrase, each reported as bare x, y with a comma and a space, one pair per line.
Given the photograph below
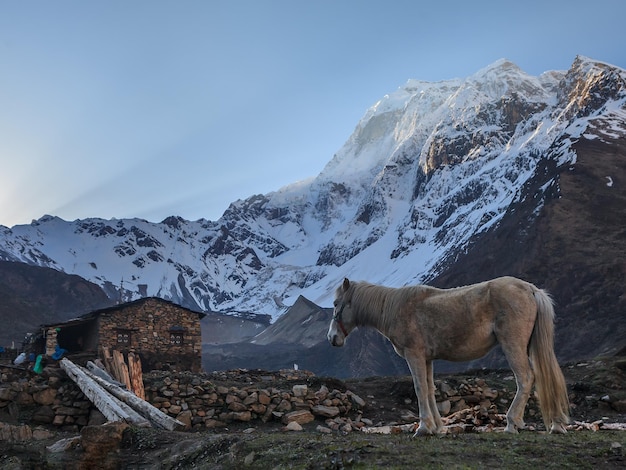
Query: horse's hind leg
524, 378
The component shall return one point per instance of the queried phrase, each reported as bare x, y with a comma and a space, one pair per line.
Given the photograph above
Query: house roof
96, 313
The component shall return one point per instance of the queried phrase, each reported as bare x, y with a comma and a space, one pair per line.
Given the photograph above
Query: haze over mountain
434, 176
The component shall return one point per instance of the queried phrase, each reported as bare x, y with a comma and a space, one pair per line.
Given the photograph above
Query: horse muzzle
336, 339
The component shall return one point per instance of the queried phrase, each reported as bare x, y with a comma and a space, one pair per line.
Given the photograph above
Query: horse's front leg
419, 371
431, 397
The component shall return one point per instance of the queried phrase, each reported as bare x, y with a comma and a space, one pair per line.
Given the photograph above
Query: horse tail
549, 380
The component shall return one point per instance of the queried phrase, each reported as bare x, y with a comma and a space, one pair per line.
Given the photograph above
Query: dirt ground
594, 388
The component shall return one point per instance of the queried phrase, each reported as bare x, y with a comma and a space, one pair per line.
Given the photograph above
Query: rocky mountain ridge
31, 296
428, 171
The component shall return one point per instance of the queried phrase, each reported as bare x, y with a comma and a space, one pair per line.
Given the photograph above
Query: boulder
18, 433
64, 445
43, 415
185, 417
299, 416
326, 411
45, 396
357, 400
97, 441
300, 390
293, 426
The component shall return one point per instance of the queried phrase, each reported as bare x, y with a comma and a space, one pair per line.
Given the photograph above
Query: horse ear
346, 284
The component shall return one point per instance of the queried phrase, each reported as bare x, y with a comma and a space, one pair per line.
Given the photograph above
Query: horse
425, 323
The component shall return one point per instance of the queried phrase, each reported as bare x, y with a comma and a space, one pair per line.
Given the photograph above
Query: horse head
342, 321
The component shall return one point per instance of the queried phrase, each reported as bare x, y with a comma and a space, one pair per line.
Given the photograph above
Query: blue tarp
58, 352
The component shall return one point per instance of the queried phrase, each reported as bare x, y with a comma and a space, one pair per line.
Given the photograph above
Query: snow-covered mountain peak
503, 79
589, 85
428, 169
501, 69
384, 129
584, 65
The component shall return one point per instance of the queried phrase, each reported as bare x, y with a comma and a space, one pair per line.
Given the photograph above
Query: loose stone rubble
201, 402
294, 400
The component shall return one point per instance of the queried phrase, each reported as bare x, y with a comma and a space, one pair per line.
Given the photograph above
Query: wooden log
112, 408
142, 407
122, 368
136, 376
102, 373
112, 361
108, 362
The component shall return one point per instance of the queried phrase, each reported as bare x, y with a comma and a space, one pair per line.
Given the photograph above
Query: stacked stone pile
457, 395
201, 402
288, 398
204, 401
48, 399
473, 405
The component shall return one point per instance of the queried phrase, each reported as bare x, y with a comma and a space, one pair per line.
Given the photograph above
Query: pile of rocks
467, 394
22, 432
289, 398
49, 399
202, 402
466, 405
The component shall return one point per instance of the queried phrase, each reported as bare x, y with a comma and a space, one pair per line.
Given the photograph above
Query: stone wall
47, 399
196, 400
203, 401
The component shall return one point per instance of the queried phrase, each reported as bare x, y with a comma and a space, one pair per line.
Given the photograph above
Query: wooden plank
108, 361
136, 376
155, 415
111, 360
112, 408
122, 369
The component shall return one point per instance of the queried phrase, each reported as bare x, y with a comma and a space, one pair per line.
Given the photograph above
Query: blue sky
151, 108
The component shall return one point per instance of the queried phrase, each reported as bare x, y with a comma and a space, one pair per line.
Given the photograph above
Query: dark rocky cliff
32, 295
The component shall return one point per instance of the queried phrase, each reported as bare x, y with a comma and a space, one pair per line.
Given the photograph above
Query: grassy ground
263, 449
580, 450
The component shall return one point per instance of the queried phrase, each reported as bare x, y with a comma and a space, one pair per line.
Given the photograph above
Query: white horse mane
378, 305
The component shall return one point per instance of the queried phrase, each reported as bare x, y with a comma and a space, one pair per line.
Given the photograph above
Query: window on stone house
123, 337
176, 336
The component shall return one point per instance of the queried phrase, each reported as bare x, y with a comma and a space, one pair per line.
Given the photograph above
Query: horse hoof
510, 428
557, 429
422, 432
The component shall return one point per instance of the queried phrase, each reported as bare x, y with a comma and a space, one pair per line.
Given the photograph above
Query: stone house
165, 335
